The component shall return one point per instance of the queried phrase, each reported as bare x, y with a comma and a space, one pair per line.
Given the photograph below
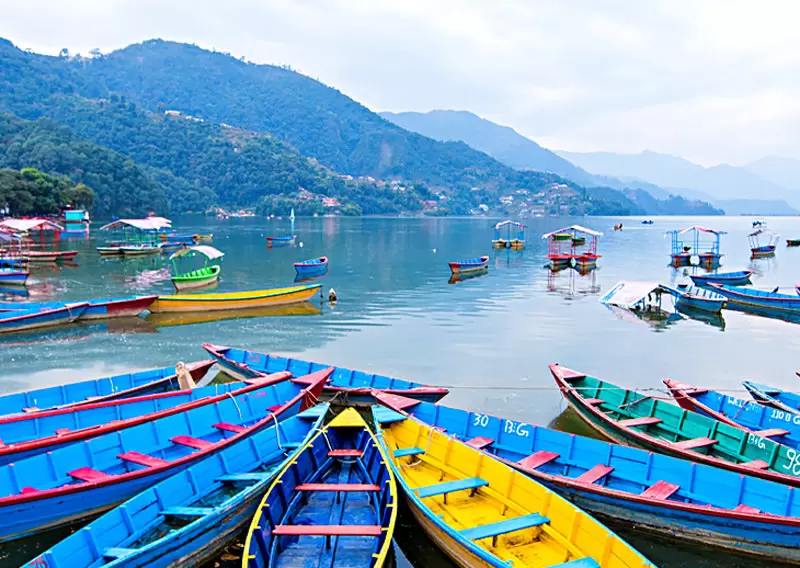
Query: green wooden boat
185, 279
638, 420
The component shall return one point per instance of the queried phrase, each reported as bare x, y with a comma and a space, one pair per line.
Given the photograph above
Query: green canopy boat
185, 277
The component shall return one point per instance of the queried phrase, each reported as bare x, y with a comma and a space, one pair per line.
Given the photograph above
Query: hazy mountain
782, 171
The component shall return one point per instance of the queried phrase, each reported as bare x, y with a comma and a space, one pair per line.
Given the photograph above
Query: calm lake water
489, 338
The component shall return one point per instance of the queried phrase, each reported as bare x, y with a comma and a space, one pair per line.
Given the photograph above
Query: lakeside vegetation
31, 192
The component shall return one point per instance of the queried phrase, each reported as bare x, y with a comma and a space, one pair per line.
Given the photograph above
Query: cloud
715, 80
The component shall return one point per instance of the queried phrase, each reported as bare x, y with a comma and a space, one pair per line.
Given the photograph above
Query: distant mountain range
759, 188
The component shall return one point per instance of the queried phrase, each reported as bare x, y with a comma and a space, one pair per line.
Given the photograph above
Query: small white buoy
301, 244
434, 251
332, 297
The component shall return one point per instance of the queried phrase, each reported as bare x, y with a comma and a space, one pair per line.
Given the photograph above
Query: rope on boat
236, 404
594, 389
277, 428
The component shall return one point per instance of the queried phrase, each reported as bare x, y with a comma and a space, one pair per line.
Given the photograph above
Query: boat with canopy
695, 245
509, 234
185, 277
646, 296
762, 243
22, 249
565, 247
139, 236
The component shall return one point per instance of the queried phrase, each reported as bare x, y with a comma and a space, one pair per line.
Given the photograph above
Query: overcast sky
711, 80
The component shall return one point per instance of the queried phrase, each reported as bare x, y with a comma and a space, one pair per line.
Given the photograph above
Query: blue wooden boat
311, 266
278, 241
738, 278
105, 308
773, 397
471, 265
657, 493
187, 518
354, 385
97, 390
764, 422
29, 434
751, 297
333, 505
693, 297
81, 480
12, 272
22, 320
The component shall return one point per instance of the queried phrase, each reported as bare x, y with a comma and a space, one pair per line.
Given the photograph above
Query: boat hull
306, 268
215, 302
762, 252
469, 266
733, 279
23, 321
117, 308
13, 278
769, 301
704, 304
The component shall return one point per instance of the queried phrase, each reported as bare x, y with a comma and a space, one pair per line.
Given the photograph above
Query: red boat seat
756, 464
771, 433
88, 474
327, 530
538, 459
195, 443
595, 474
274, 407
660, 490
142, 459
695, 443
338, 487
30, 409
345, 453
479, 442
746, 509
28, 490
594, 401
643, 421
229, 427
62, 431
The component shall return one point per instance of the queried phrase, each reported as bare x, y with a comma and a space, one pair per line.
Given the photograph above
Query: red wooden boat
49, 255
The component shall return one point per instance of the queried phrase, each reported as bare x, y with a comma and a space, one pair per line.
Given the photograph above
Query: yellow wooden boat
234, 300
338, 486
189, 318
483, 513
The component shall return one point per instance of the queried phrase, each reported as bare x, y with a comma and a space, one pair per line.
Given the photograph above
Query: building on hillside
330, 202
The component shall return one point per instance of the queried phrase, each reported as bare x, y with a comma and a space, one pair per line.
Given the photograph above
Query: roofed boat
185, 278
481, 512
642, 421
774, 397
33, 433
752, 297
234, 300
12, 272
355, 385
23, 320
313, 265
760, 249
504, 238
80, 480
661, 494
97, 390
697, 250
565, 247
339, 487
105, 308
737, 278
471, 265
763, 421
180, 522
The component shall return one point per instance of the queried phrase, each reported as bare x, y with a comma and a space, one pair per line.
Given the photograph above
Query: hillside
782, 171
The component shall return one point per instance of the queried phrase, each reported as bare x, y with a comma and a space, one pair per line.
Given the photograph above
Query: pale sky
711, 80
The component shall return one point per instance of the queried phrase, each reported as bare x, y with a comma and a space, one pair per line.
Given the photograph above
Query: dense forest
205, 128
31, 192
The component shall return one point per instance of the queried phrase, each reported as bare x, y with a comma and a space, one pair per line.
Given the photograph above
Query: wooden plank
327, 530
195, 443
742, 508
451, 486
756, 464
88, 474
771, 433
345, 453
594, 401
142, 459
579, 563
402, 452
504, 527
187, 511
479, 442
643, 421
660, 490
235, 428
595, 474
538, 459
695, 443
338, 487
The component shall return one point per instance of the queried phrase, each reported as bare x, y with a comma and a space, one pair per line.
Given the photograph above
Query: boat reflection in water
309, 276
764, 313
188, 318
708, 318
571, 282
461, 277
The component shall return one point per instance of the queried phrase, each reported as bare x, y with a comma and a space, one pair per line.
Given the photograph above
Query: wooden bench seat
695, 443
142, 459
115, 553
504, 527
235, 428
244, 477
88, 474
642, 421
756, 464
187, 511
771, 433
402, 452
595, 474
327, 530
338, 487
471, 483
579, 563
594, 401
742, 508
660, 490
195, 443
538, 459
479, 442
345, 453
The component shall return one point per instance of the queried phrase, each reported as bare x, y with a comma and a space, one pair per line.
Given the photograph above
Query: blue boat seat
115, 553
503, 527
579, 563
244, 477
88, 474
660, 490
538, 459
471, 483
314, 412
479, 442
595, 474
187, 511
402, 452
385, 415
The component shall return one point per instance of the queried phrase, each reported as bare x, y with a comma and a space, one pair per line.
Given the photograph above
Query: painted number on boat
517, 428
785, 416
480, 420
757, 441
794, 461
